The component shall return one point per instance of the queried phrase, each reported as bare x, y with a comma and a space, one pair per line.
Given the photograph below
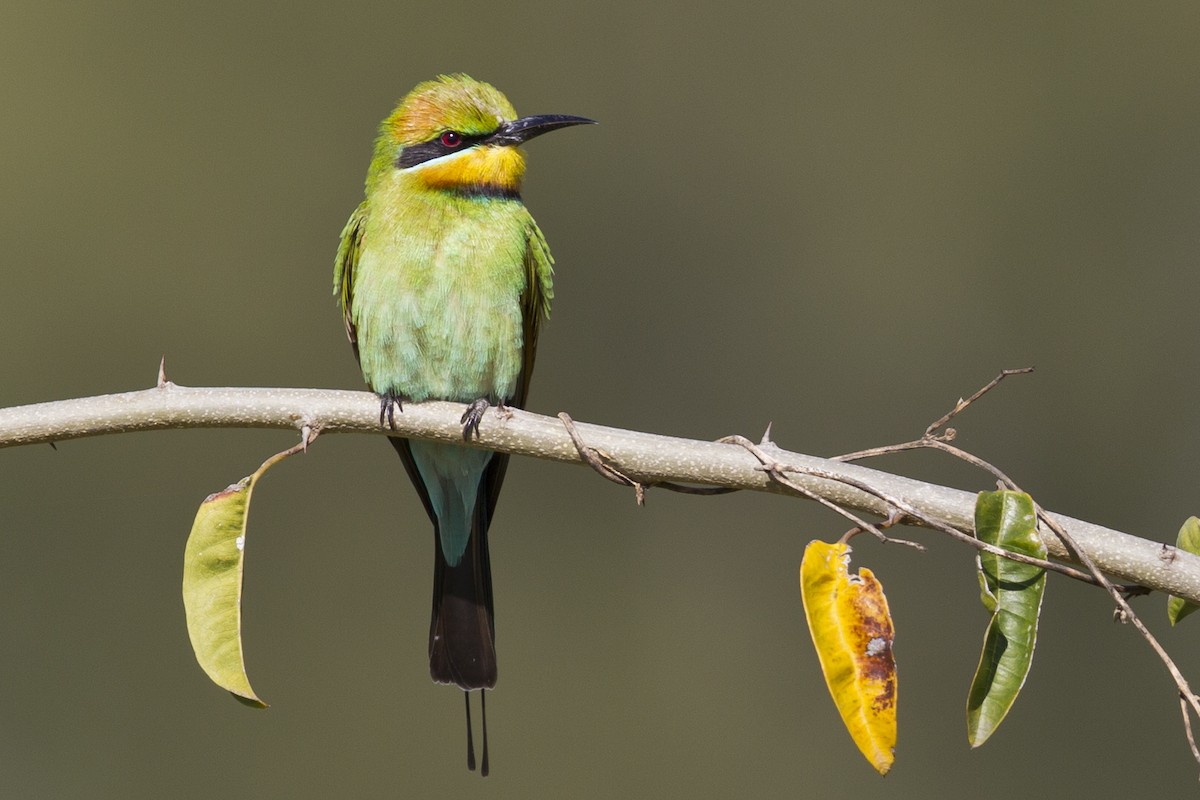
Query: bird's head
458, 134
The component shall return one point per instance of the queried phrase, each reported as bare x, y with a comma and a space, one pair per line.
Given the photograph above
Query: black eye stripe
425, 151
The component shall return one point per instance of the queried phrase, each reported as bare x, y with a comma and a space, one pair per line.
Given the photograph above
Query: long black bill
525, 128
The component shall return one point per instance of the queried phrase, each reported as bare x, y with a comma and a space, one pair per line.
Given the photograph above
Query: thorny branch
647, 460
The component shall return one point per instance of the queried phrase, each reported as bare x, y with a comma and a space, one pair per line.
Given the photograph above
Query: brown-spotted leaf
852, 630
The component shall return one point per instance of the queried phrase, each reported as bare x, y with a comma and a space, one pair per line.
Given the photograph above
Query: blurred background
839, 217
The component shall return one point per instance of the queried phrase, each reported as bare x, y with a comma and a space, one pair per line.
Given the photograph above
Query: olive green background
836, 216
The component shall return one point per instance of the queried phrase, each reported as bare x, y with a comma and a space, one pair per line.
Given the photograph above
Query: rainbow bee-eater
444, 280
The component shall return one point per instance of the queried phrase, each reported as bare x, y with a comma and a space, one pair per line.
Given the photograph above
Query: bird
444, 280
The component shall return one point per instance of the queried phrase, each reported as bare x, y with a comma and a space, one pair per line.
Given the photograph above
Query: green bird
444, 279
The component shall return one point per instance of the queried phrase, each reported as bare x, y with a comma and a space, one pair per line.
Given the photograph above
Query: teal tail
462, 634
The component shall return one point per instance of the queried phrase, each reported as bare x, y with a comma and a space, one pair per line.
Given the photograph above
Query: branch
642, 457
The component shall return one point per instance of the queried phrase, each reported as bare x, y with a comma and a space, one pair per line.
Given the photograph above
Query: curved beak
526, 128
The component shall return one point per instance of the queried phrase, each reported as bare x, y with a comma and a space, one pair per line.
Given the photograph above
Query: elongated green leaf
1013, 593
852, 630
212, 586
1189, 540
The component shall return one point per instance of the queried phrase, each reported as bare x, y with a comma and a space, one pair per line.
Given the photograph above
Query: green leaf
212, 584
1012, 591
1188, 540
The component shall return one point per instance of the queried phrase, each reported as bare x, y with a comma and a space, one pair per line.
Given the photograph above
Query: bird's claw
388, 403
473, 416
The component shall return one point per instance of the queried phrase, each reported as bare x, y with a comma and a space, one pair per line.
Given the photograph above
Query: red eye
451, 139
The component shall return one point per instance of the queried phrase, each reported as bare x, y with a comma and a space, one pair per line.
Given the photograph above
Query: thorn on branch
766, 437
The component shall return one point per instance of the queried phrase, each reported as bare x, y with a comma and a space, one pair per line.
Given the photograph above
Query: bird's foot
473, 416
388, 403
504, 411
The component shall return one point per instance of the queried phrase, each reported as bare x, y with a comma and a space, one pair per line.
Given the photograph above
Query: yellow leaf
212, 588
212, 581
852, 630
213, 570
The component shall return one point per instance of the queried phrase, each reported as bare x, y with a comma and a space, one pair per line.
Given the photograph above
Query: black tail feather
462, 638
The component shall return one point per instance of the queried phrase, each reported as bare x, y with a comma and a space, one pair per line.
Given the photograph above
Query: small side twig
1187, 697
307, 435
596, 460
931, 437
599, 461
894, 519
962, 405
777, 472
1187, 726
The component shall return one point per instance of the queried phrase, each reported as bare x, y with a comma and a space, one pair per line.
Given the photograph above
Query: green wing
535, 306
343, 268
535, 302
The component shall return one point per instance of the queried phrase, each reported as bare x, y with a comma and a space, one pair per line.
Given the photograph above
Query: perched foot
504, 411
388, 403
473, 416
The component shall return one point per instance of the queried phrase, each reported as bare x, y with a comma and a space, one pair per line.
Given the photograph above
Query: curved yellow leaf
212, 581
212, 588
852, 630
